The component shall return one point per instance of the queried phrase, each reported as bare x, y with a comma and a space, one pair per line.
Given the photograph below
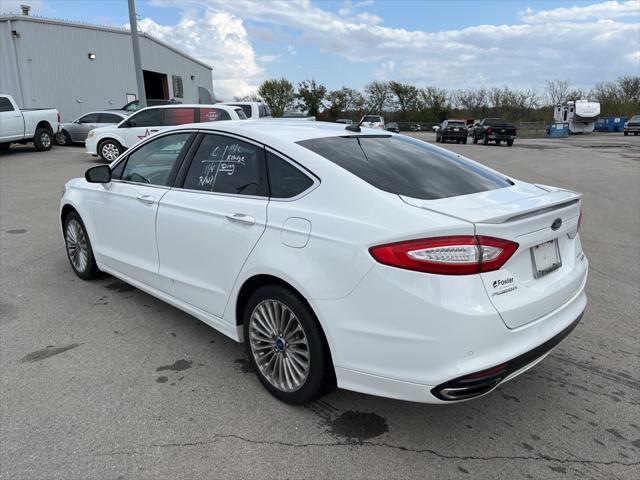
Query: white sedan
110, 141
363, 259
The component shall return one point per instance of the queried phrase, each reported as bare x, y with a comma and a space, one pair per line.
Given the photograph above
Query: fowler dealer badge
503, 285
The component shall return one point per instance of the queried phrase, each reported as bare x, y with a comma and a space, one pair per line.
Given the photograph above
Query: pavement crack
365, 443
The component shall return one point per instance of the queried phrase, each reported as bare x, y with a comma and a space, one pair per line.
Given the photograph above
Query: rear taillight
489, 131
457, 255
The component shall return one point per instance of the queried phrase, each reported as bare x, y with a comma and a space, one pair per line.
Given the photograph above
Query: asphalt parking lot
100, 380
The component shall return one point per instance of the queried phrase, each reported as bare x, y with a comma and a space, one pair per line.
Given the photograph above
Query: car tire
109, 150
464, 140
43, 139
509, 143
280, 366
4, 147
78, 246
635, 134
485, 140
498, 142
474, 138
63, 138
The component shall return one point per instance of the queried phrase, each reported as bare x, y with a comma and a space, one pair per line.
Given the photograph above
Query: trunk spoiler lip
568, 199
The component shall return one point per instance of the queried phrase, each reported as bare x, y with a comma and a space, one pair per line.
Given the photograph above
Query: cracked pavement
99, 380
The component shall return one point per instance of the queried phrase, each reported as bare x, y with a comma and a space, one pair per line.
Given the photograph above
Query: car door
80, 128
142, 124
11, 121
209, 223
125, 209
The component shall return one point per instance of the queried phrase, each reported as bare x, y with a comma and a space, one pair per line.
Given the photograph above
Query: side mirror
98, 174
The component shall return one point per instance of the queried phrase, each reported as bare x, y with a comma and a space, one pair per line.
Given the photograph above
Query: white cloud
220, 40
597, 11
269, 58
291, 49
547, 44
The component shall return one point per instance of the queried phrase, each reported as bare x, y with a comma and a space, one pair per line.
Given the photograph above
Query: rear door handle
241, 217
148, 199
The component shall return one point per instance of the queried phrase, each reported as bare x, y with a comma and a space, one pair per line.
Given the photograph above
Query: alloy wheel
279, 345
45, 139
110, 151
77, 245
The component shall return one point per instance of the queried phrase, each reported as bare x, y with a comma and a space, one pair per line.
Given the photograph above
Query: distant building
78, 67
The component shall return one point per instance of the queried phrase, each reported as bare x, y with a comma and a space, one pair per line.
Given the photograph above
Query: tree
311, 95
557, 91
434, 104
407, 96
344, 100
630, 88
473, 102
378, 96
248, 98
279, 94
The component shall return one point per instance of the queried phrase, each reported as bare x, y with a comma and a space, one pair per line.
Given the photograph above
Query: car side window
152, 163
5, 105
213, 115
178, 116
146, 118
285, 180
89, 118
227, 165
109, 118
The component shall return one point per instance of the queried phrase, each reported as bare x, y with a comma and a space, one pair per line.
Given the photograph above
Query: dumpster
610, 124
558, 130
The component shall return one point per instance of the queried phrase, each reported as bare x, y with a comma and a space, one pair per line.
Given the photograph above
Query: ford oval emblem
557, 223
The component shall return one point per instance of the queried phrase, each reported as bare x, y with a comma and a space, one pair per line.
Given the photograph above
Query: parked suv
253, 110
455, 130
109, 142
372, 121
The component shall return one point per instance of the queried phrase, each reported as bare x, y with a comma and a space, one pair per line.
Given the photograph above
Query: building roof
91, 26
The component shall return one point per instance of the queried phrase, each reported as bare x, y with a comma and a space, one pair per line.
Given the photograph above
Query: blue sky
451, 44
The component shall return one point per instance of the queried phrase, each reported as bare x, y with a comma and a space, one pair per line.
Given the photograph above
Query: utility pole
133, 21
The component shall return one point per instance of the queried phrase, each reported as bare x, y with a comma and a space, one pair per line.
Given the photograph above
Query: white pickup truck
28, 125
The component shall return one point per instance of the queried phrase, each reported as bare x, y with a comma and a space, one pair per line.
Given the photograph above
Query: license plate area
545, 258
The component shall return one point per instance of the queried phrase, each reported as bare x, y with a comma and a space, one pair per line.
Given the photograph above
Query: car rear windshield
457, 123
404, 166
371, 119
495, 122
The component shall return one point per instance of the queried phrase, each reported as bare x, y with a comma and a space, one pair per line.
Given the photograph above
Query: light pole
133, 21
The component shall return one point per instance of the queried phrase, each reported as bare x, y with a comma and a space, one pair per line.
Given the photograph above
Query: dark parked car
494, 130
455, 130
393, 127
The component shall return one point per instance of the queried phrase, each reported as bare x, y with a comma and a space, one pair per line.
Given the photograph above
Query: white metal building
77, 67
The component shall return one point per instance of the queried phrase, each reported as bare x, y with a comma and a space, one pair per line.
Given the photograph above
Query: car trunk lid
548, 268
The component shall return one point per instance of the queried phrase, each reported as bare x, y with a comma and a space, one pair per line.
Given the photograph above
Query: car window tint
152, 163
285, 180
371, 119
89, 118
178, 116
213, 115
240, 113
405, 166
226, 165
116, 173
109, 118
146, 118
5, 105
245, 108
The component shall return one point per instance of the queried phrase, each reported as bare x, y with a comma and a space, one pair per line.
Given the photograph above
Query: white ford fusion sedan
357, 258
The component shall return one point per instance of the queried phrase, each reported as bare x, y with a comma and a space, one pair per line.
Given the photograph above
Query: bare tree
557, 91
378, 95
254, 97
406, 96
630, 88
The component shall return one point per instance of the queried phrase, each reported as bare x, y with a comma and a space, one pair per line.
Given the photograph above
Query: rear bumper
455, 134
501, 137
404, 335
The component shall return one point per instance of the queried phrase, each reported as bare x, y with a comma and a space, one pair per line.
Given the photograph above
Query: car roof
284, 130
192, 105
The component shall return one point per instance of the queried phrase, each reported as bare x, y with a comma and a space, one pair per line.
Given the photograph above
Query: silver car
78, 130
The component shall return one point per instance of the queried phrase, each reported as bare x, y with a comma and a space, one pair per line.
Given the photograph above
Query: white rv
581, 115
